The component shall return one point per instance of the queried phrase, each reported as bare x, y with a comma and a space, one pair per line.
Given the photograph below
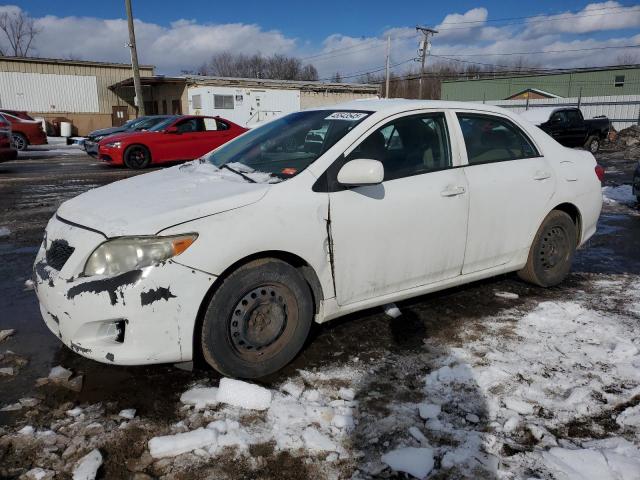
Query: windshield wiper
248, 179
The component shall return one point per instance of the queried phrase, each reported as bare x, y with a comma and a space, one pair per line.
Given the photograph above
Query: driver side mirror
361, 172
172, 129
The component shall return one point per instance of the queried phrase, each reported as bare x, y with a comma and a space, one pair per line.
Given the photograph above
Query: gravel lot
497, 379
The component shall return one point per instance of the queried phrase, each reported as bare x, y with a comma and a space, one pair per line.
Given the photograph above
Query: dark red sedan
25, 132
183, 137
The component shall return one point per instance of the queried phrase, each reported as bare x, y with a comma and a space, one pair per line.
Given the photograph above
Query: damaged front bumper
139, 317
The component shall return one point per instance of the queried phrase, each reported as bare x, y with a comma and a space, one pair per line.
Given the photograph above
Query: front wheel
19, 141
552, 251
257, 320
137, 157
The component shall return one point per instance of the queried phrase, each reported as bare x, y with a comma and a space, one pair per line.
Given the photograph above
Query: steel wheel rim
137, 157
555, 243
18, 142
262, 321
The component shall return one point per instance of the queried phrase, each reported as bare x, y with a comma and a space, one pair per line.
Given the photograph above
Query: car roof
397, 105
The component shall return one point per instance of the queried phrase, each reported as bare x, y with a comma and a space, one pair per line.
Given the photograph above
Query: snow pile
4, 334
244, 395
88, 466
172, 445
622, 194
609, 459
5, 232
414, 461
200, 397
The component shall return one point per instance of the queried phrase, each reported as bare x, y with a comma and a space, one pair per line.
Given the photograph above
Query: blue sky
182, 35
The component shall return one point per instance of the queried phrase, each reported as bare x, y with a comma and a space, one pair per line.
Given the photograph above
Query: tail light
600, 172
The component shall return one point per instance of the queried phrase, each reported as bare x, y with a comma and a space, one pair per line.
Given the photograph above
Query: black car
135, 125
569, 128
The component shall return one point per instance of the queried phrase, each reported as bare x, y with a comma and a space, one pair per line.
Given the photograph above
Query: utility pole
386, 91
134, 60
425, 49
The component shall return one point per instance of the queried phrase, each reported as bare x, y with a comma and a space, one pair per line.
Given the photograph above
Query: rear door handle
452, 191
541, 175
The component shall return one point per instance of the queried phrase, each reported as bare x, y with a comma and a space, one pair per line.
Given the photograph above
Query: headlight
129, 253
113, 144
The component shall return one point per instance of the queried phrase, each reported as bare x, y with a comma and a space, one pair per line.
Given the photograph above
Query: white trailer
244, 106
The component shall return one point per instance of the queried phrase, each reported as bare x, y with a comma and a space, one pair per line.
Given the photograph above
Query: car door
558, 127
510, 187
184, 143
577, 130
409, 230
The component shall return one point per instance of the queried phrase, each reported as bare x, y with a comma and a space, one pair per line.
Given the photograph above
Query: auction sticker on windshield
346, 116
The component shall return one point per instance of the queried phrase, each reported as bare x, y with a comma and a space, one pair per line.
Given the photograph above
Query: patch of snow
293, 389
74, 412
414, 461
5, 232
507, 295
200, 397
4, 334
29, 284
391, 310
243, 394
87, 467
630, 417
60, 373
346, 394
428, 410
622, 194
8, 371
128, 413
26, 430
172, 445
316, 441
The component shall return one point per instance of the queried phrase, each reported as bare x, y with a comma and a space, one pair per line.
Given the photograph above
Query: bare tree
279, 67
627, 59
337, 78
19, 31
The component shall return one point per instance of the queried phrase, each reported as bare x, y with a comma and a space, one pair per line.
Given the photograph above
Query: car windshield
286, 146
163, 124
148, 122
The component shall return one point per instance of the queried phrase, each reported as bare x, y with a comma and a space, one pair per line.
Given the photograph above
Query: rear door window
493, 139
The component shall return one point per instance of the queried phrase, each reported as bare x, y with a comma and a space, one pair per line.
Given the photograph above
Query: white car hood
146, 204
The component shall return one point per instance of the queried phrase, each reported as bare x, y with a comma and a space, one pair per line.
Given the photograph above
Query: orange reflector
181, 244
289, 171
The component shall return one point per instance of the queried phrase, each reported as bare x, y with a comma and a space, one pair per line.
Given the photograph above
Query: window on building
619, 81
196, 102
223, 102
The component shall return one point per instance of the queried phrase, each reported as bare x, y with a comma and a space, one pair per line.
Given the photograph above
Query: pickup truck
568, 127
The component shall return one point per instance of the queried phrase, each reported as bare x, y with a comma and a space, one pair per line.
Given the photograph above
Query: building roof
253, 83
534, 90
61, 61
543, 73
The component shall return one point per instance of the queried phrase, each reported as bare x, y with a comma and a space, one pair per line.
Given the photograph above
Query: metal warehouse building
67, 90
610, 91
246, 101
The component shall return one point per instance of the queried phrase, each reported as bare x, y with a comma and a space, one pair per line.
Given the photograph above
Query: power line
367, 72
540, 52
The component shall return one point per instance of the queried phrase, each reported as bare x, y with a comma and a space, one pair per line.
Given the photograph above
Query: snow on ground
547, 390
622, 194
5, 232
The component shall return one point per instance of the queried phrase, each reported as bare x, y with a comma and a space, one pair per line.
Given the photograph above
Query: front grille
58, 254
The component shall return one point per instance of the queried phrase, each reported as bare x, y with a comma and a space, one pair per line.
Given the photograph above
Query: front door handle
452, 191
541, 175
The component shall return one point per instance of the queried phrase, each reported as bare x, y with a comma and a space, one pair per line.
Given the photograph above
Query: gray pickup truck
568, 127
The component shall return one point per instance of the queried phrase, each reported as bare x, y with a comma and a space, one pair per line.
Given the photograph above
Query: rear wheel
257, 320
19, 141
137, 157
552, 251
593, 144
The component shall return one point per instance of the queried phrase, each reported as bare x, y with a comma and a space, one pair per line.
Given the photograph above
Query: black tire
592, 144
257, 320
552, 251
137, 157
19, 141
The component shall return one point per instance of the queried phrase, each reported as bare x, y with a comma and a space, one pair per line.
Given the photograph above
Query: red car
25, 132
183, 137
7, 152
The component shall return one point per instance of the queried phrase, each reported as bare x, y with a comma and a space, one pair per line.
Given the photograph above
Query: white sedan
312, 216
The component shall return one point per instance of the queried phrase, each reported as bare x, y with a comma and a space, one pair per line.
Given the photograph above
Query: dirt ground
390, 358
